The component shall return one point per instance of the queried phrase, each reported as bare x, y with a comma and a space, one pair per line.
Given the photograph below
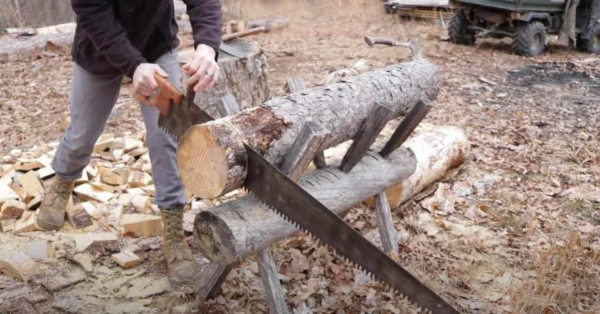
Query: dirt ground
521, 233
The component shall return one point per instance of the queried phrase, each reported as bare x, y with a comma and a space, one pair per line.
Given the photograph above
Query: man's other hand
202, 69
144, 82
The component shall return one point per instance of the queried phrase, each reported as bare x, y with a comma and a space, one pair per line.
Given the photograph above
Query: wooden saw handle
164, 98
379, 40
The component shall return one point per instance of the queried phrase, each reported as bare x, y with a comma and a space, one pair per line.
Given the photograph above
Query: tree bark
244, 226
245, 78
272, 128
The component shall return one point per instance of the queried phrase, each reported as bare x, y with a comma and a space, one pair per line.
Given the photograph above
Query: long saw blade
273, 188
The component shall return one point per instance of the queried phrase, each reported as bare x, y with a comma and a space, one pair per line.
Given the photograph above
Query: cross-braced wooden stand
307, 147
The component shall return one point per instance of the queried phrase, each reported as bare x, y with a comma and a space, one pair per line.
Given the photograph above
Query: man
136, 39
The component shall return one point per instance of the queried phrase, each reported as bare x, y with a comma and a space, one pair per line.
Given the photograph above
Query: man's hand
144, 82
202, 69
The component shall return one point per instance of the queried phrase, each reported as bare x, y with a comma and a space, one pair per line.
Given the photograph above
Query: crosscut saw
278, 192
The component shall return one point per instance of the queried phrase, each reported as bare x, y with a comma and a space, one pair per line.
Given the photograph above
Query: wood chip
32, 184
29, 164
91, 209
84, 241
18, 264
126, 259
88, 192
142, 204
12, 209
46, 172
8, 177
6, 194
83, 179
91, 171
78, 217
64, 124
27, 223
150, 190
34, 203
113, 178
141, 225
139, 179
138, 152
103, 187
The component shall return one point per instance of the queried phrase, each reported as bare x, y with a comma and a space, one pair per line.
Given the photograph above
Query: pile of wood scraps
115, 191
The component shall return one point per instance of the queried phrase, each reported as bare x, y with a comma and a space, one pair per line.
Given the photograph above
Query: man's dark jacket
115, 36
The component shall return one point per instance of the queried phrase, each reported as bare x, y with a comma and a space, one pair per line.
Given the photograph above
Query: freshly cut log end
211, 156
272, 128
212, 159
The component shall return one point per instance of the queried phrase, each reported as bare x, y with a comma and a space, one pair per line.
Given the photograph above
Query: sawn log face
340, 107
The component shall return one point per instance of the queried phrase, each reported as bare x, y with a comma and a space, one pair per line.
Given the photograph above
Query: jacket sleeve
206, 19
97, 19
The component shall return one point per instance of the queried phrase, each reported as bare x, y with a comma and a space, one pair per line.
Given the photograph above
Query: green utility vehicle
528, 23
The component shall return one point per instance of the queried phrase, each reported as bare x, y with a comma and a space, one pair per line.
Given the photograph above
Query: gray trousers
92, 100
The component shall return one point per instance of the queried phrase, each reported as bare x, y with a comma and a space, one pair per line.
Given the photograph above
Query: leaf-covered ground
515, 230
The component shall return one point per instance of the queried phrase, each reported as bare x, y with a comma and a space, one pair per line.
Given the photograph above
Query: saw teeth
346, 261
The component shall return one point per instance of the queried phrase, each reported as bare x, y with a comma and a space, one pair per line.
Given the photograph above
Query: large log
244, 226
212, 157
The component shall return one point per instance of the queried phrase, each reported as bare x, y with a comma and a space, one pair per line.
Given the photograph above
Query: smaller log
367, 134
385, 224
306, 146
228, 106
270, 279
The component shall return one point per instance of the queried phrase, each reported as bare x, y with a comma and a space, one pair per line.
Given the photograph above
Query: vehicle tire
530, 39
458, 32
591, 44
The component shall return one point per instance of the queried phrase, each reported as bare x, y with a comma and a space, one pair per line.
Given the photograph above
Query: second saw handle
380, 41
166, 96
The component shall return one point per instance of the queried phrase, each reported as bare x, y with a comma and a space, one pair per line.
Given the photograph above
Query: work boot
54, 205
181, 265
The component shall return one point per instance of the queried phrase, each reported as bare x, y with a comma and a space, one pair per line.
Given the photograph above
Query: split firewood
27, 223
137, 152
34, 203
45, 172
149, 190
141, 225
139, 179
103, 187
88, 192
20, 191
12, 209
91, 171
126, 259
29, 164
7, 194
83, 179
272, 128
142, 204
115, 177
32, 184
104, 142
79, 217
8, 177
91, 209
245, 226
